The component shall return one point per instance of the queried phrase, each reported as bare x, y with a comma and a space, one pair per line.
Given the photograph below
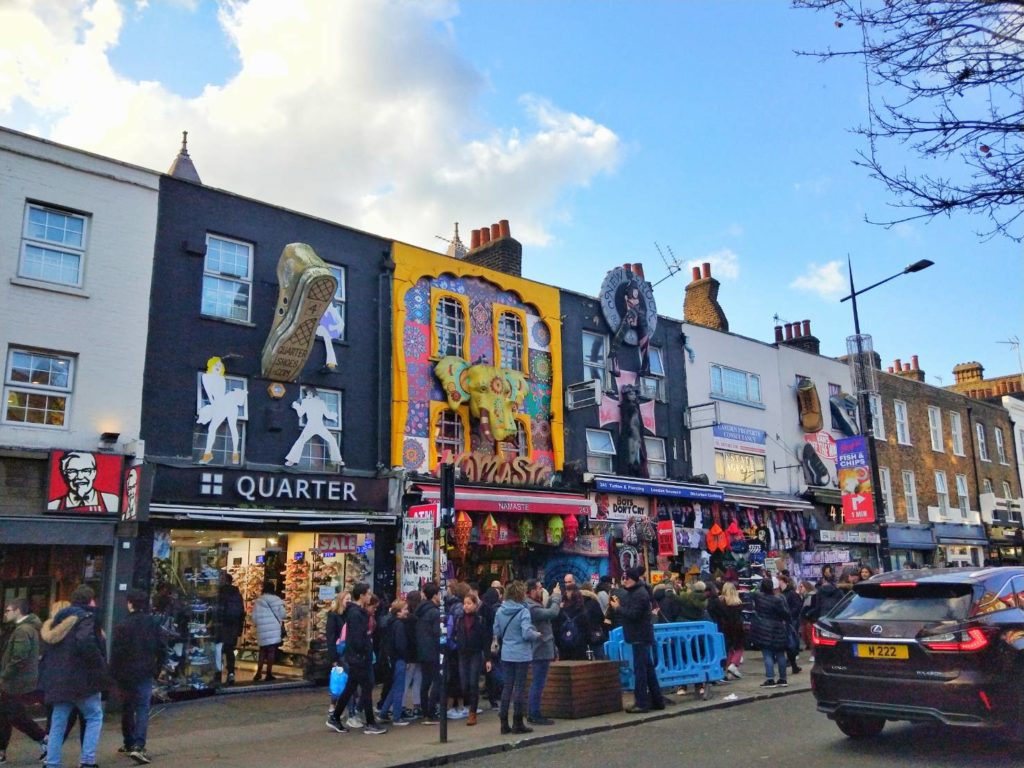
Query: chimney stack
494, 247
778, 334
911, 370
700, 306
799, 335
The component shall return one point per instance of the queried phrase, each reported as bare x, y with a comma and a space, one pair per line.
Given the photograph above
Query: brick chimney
495, 248
701, 306
911, 370
968, 372
799, 335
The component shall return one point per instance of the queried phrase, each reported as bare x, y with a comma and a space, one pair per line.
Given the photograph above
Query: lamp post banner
854, 469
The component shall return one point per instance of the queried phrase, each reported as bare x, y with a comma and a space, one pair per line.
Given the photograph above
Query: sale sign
854, 472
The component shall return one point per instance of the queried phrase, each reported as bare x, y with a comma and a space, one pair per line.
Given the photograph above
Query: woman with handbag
514, 635
268, 617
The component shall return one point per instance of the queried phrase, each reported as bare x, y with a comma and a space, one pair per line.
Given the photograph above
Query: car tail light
973, 639
821, 636
888, 584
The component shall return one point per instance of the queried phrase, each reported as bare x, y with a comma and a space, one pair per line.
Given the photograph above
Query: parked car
944, 645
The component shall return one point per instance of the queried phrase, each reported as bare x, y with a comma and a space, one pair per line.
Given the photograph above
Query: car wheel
860, 726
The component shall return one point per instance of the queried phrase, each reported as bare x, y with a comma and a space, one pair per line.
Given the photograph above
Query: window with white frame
935, 428
517, 447
510, 341
963, 500
657, 464
910, 496
600, 451
653, 384
982, 445
227, 279
1011, 510
37, 388
449, 434
1000, 445
956, 431
595, 355
902, 422
738, 386
450, 326
53, 245
885, 478
877, 419
336, 315
316, 453
942, 494
223, 447
986, 485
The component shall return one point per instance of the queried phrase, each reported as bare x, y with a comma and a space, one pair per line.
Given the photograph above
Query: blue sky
597, 128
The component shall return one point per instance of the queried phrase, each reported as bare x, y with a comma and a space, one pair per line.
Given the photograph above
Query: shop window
737, 386
37, 388
223, 444
744, 468
982, 445
910, 496
942, 494
600, 451
519, 446
657, 463
53, 245
963, 500
509, 338
595, 356
902, 422
227, 279
316, 454
1000, 445
449, 330
653, 385
935, 428
450, 432
956, 431
885, 478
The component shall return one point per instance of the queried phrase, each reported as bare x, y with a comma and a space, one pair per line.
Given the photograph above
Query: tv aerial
671, 262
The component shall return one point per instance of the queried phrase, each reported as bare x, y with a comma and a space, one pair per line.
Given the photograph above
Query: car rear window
924, 602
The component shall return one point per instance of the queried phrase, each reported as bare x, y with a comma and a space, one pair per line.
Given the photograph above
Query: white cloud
815, 187
826, 280
364, 113
724, 263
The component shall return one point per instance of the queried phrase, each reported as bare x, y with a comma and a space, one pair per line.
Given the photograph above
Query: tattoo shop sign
611, 506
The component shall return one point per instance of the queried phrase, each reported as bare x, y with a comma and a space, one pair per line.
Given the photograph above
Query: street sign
855, 480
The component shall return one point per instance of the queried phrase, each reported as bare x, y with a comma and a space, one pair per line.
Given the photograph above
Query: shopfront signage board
855, 480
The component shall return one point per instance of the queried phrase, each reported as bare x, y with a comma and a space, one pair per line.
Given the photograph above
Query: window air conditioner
583, 394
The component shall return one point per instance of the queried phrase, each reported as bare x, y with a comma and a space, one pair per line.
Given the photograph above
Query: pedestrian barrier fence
686, 653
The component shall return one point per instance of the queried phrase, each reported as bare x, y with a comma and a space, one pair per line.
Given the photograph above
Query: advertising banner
417, 553
667, 546
855, 480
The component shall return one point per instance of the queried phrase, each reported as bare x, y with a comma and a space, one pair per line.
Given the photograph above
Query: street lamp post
863, 407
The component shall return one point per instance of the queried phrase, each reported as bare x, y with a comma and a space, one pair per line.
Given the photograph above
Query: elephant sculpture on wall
495, 395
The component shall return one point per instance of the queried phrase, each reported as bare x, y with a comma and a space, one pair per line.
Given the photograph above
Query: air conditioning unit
583, 394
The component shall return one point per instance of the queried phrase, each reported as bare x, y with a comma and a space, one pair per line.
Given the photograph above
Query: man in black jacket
136, 655
634, 610
795, 604
230, 619
428, 648
358, 659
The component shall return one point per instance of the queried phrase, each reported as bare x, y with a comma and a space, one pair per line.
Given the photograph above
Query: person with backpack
492, 678
544, 648
573, 627
395, 644
19, 674
514, 638
428, 647
136, 656
358, 659
229, 619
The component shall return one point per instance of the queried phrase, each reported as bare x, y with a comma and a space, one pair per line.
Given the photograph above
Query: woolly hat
633, 573
698, 586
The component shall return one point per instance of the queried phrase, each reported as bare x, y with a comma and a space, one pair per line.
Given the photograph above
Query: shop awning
234, 515
953, 533
746, 498
664, 488
510, 500
830, 497
911, 537
54, 529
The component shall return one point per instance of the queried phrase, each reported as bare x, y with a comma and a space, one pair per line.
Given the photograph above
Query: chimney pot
778, 333
628, 267
797, 330
474, 239
807, 327
789, 331
485, 235
898, 364
913, 363
890, 369
696, 274
706, 269
638, 270
495, 232
504, 228
906, 366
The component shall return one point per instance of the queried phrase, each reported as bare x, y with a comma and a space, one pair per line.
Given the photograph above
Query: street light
863, 406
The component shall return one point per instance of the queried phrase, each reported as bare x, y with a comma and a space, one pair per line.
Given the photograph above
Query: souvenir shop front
507, 533
839, 549
328, 533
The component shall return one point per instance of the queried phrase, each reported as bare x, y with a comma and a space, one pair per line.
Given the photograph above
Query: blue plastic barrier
686, 653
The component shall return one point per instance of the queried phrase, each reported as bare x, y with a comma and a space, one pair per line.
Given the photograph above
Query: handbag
496, 642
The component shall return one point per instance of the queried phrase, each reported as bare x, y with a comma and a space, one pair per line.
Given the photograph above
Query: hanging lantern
572, 528
556, 530
525, 529
489, 532
463, 527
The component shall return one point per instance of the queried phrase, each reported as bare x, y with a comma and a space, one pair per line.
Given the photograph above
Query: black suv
944, 645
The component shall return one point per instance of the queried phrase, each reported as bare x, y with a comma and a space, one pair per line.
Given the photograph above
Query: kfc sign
82, 482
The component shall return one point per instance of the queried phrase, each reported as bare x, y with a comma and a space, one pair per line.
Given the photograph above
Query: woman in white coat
267, 615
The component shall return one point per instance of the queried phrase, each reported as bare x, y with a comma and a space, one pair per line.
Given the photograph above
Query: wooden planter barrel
581, 689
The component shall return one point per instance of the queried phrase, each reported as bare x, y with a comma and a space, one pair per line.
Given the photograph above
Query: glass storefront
45, 574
